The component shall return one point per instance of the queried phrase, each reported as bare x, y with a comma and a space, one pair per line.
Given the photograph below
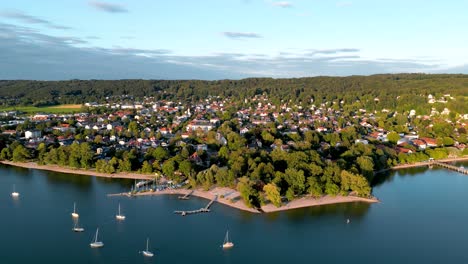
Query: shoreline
134, 175
425, 163
232, 199
56, 168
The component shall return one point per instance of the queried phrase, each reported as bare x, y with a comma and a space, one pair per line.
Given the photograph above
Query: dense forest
399, 91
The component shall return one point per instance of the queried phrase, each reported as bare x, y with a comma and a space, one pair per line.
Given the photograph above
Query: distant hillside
399, 91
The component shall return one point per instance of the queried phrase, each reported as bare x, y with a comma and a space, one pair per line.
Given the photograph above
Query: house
430, 142
244, 130
321, 129
32, 134
404, 150
165, 130
40, 117
419, 143
195, 158
363, 141
203, 125
203, 147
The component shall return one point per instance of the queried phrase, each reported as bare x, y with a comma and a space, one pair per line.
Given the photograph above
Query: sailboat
75, 214
96, 243
76, 228
146, 252
14, 194
120, 216
227, 243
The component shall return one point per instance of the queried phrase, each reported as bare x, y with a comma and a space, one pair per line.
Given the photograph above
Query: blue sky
215, 39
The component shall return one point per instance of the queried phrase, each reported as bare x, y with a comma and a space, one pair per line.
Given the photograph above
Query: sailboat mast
147, 241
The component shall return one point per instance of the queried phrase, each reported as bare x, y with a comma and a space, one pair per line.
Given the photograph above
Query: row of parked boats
120, 217
98, 244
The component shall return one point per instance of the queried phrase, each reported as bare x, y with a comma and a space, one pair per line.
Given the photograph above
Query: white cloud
108, 7
28, 19
283, 4
241, 35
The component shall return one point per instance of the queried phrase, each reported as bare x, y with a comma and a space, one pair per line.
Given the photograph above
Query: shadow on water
388, 176
18, 171
80, 181
127, 183
355, 210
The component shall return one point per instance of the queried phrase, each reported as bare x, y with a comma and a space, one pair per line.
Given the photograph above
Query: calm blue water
422, 219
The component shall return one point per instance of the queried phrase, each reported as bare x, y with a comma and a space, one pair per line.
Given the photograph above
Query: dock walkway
205, 209
185, 197
450, 167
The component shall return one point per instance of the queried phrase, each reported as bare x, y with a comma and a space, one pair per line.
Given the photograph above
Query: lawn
56, 109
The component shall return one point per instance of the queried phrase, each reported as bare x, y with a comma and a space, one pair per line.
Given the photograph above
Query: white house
32, 134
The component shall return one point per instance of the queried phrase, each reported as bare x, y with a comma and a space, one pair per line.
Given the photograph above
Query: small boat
120, 216
146, 252
75, 214
227, 243
76, 228
14, 194
96, 243
348, 221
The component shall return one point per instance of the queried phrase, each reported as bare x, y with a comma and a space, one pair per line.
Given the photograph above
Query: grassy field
56, 109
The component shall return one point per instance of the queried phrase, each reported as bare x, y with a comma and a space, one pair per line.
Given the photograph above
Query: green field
56, 109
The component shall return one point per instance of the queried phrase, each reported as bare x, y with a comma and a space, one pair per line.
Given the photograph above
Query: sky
219, 39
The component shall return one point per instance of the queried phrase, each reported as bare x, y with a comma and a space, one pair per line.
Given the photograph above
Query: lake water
423, 218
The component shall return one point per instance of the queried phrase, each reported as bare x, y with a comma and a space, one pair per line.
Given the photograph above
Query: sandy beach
231, 197
56, 168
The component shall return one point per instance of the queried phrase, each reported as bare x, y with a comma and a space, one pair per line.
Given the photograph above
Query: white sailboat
96, 243
75, 214
120, 216
227, 243
14, 194
76, 228
146, 252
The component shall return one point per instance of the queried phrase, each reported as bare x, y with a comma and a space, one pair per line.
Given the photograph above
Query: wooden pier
450, 167
185, 197
205, 209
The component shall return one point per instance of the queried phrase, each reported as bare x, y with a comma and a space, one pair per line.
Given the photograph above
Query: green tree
272, 193
448, 141
125, 165
86, 155
146, 168
20, 154
169, 167
160, 153
331, 188
5, 154
185, 167
314, 187
393, 137
247, 192
366, 165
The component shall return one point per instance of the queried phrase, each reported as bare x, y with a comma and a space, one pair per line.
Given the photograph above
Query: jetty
186, 196
205, 209
450, 167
